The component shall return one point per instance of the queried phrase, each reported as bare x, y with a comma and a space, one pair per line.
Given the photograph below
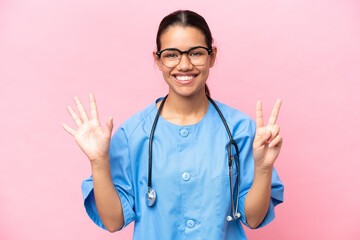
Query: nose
184, 64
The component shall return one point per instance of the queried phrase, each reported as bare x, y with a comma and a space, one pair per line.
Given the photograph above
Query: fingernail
271, 144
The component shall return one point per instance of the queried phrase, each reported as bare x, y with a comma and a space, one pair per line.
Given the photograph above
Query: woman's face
185, 79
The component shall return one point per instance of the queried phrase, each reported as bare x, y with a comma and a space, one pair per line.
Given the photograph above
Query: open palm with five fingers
93, 140
267, 142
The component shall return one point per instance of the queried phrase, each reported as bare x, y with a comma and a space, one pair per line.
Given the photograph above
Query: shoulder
130, 126
238, 121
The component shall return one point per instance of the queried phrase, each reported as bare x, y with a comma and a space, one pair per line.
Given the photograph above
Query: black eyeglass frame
158, 53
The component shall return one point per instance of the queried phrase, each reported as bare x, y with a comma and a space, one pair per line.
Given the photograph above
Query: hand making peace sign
267, 142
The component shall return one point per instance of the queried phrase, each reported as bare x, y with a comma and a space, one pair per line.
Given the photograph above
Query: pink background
306, 52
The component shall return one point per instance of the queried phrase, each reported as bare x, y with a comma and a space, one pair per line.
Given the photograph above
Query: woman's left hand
267, 142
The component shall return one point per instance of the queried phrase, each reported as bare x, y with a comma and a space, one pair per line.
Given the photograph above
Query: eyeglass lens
197, 56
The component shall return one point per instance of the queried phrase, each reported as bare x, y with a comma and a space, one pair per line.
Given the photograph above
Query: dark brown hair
185, 18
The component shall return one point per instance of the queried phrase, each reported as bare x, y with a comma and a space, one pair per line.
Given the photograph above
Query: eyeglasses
171, 57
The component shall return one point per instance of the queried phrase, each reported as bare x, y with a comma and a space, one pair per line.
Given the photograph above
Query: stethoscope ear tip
230, 218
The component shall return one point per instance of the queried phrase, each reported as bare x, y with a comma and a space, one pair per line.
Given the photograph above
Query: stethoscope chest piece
150, 198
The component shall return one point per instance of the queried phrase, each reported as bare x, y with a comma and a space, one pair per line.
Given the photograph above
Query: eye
170, 54
197, 53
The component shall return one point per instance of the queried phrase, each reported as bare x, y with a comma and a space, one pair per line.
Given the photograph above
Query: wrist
263, 176
265, 169
100, 163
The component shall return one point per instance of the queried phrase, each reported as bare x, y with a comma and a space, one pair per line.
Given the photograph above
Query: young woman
186, 167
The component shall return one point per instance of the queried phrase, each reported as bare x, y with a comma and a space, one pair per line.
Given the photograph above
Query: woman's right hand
93, 140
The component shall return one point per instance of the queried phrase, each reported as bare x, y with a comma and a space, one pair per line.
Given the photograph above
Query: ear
157, 60
213, 56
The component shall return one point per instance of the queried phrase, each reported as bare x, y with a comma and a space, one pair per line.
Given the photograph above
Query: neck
185, 110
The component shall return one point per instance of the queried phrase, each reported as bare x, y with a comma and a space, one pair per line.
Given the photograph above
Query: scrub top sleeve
122, 178
245, 141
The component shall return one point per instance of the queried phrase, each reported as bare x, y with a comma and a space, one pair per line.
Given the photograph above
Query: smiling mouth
184, 78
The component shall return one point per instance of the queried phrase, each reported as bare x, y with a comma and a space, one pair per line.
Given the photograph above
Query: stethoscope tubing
151, 140
151, 195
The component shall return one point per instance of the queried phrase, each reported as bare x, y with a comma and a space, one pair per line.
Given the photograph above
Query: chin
187, 92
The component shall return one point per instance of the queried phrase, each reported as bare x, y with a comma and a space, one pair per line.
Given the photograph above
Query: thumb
262, 135
109, 126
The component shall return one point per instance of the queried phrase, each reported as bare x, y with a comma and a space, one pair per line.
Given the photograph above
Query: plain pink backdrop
306, 52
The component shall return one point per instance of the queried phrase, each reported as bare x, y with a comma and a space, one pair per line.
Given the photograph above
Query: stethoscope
150, 196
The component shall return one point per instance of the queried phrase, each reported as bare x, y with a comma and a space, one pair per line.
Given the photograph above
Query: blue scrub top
189, 173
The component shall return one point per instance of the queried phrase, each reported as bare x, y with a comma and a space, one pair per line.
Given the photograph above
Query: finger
274, 132
276, 142
93, 107
81, 109
69, 129
74, 116
259, 115
275, 113
262, 136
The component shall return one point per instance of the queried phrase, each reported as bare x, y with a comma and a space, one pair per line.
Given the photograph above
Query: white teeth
184, 78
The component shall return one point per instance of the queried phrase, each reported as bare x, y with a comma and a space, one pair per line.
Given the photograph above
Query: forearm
258, 198
107, 199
